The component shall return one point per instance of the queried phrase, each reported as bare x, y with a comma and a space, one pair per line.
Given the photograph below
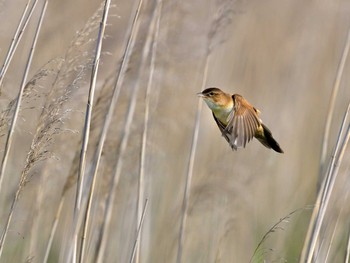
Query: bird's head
216, 98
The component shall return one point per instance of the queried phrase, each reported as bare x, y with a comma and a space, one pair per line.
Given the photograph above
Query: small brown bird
238, 121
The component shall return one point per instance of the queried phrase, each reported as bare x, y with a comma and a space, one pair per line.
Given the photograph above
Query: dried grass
148, 139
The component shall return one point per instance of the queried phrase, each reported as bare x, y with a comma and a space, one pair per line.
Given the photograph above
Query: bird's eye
211, 93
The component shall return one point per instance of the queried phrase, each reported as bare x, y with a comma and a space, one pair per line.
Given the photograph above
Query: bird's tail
268, 141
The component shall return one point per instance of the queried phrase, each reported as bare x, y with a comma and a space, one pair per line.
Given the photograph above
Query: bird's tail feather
268, 141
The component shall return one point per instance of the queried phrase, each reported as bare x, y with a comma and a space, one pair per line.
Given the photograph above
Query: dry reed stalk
34, 221
30, 94
15, 36
325, 142
15, 40
325, 192
107, 121
71, 180
101, 246
116, 176
9, 138
54, 228
74, 66
19, 96
220, 20
347, 252
141, 188
189, 176
335, 227
87, 125
51, 117
138, 231
89, 105
96, 159
331, 106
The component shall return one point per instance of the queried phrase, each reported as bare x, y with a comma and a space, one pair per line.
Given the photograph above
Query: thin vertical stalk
347, 253
9, 138
138, 231
15, 36
118, 168
19, 96
88, 115
190, 167
140, 195
15, 41
335, 227
53, 229
336, 86
115, 179
220, 20
89, 105
116, 90
325, 192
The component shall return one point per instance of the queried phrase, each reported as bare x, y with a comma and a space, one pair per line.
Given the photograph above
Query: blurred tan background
282, 56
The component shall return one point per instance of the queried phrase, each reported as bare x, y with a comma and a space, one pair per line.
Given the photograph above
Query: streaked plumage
237, 119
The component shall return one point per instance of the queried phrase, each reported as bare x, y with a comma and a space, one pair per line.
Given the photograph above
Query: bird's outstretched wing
242, 123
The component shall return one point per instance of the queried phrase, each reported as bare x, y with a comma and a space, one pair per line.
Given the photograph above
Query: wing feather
242, 124
225, 133
248, 128
252, 124
244, 135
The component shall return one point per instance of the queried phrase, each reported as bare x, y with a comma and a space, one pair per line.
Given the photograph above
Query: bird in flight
237, 119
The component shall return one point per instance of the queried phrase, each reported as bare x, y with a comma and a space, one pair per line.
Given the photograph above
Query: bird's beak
200, 94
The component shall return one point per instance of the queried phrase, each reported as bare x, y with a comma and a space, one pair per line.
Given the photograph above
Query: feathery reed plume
220, 20
325, 192
50, 120
70, 76
18, 101
140, 195
273, 229
10, 134
72, 68
99, 108
16, 39
29, 93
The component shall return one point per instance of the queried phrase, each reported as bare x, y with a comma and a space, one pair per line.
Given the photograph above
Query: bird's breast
222, 114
